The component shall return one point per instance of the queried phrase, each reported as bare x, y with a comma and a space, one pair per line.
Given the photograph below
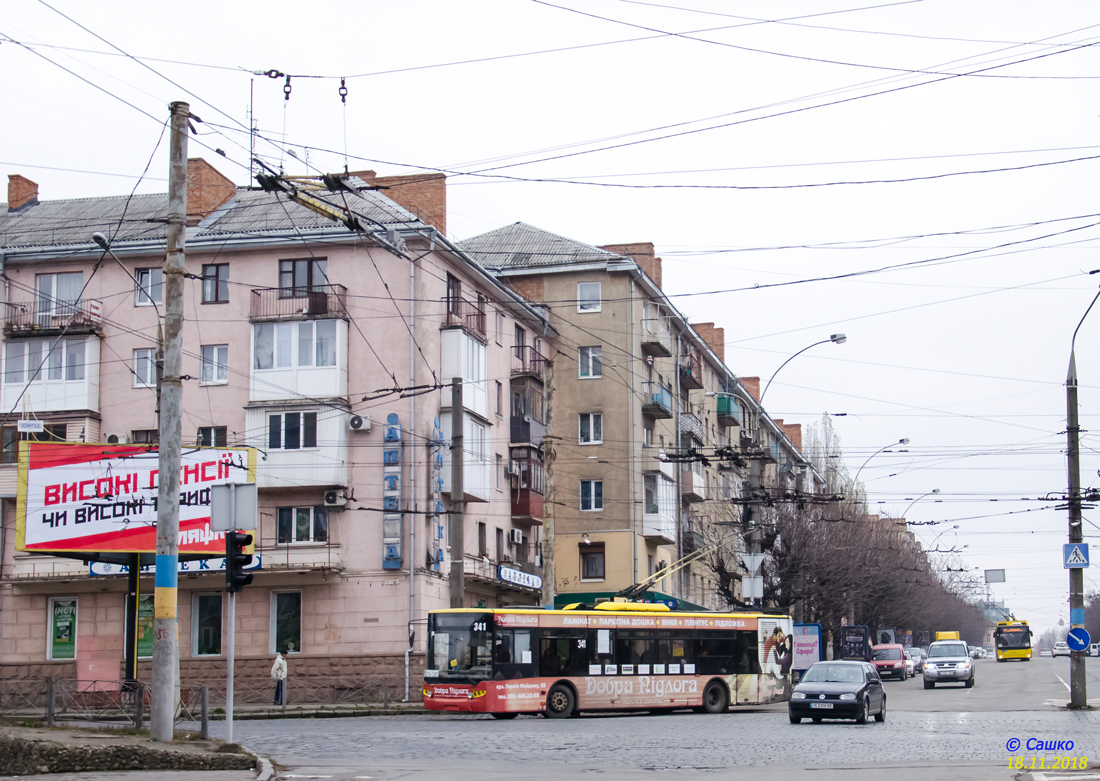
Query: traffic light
236, 560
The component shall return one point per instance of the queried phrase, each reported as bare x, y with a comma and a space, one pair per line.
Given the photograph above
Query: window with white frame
206, 625
291, 430
303, 343
301, 524
211, 436
150, 286
215, 364
58, 294
591, 429
38, 360
591, 362
588, 297
286, 622
145, 368
591, 494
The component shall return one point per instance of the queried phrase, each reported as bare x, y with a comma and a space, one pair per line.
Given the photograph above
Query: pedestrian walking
278, 672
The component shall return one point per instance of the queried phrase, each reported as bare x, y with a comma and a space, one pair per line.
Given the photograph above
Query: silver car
948, 661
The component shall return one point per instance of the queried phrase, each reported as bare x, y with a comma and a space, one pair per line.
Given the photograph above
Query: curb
264, 769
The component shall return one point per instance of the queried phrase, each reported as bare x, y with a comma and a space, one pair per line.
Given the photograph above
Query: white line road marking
1059, 677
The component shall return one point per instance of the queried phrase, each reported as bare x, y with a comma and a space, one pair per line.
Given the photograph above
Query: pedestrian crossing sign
1075, 555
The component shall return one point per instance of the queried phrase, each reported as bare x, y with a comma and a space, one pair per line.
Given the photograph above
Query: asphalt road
950, 731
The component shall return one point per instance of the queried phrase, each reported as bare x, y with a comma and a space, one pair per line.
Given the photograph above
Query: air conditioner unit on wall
335, 498
117, 439
515, 536
512, 469
359, 422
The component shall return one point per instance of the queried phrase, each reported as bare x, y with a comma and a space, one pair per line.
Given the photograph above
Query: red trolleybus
616, 656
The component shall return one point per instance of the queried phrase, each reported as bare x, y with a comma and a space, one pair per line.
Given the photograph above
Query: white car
1061, 649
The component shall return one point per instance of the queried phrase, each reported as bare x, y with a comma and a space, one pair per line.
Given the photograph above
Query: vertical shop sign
63, 629
391, 493
145, 626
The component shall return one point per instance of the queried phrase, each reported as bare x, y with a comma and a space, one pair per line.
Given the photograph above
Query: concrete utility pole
457, 528
1078, 696
166, 660
549, 586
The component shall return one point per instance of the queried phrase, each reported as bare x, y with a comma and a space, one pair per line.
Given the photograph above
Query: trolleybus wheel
504, 715
559, 702
715, 699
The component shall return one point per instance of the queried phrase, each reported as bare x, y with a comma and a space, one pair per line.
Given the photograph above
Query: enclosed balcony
693, 484
295, 303
691, 371
527, 361
527, 482
729, 413
527, 422
659, 508
656, 400
47, 317
656, 337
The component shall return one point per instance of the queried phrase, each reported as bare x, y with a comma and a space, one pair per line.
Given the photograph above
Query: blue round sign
1078, 639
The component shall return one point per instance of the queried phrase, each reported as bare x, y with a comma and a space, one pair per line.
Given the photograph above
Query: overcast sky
949, 148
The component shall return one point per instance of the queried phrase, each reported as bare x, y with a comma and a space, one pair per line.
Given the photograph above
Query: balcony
295, 303
656, 338
690, 424
44, 318
691, 371
658, 528
693, 484
729, 413
527, 361
469, 315
691, 540
527, 422
527, 481
656, 400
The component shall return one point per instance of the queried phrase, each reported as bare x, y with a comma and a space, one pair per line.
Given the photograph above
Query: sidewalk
319, 710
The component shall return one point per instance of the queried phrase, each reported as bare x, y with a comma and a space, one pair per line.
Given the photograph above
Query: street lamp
937, 538
904, 441
933, 492
1078, 697
835, 338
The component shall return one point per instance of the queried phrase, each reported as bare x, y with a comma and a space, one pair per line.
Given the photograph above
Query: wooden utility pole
166, 660
456, 529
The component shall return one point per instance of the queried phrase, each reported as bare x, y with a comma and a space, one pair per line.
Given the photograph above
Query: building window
500, 328
482, 540
62, 620
592, 561
58, 294
591, 362
304, 343
145, 436
500, 398
292, 430
647, 433
150, 286
215, 283
454, 295
215, 364
51, 432
145, 368
588, 297
212, 436
591, 494
206, 625
500, 472
286, 621
301, 276
34, 361
302, 524
591, 428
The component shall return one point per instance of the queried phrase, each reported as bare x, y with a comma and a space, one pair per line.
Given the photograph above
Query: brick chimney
207, 189
641, 253
752, 385
425, 195
794, 434
21, 192
714, 337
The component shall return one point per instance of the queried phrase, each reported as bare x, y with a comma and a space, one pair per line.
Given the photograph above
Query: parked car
1094, 649
948, 661
1061, 649
838, 690
910, 662
889, 660
1045, 652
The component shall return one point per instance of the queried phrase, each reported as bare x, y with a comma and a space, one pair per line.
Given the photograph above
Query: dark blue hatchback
838, 690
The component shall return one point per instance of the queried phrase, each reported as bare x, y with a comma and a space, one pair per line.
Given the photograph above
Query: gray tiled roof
71, 222
521, 245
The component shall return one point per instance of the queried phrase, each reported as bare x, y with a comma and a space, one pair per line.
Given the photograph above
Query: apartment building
330, 352
654, 440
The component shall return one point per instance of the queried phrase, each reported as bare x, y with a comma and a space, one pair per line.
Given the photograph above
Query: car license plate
824, 705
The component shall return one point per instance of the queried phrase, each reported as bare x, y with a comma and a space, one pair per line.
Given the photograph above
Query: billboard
807, 646
93, 498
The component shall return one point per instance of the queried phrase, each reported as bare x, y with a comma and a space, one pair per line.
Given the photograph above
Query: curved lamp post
835, 338
933, 492
904, 441
937, 538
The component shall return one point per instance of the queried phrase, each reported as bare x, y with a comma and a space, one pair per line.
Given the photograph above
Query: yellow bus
1013, 640
611, 656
